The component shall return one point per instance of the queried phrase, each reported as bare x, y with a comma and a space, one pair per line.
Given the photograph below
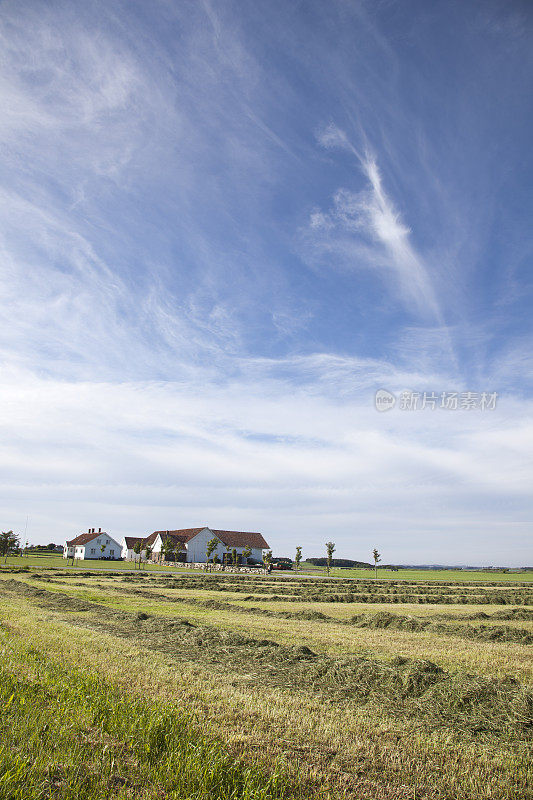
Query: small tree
179, 547
377, 559
330, 549
148, 551
298, 558
246, 553
137, 550
267, 560
210, 549
234, 557
102, 548
167, 548
8, 541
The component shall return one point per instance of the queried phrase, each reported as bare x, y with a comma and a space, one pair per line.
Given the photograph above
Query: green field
44, 560
52, 560
193, 685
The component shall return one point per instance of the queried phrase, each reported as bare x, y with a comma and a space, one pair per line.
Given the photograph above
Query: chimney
99, 530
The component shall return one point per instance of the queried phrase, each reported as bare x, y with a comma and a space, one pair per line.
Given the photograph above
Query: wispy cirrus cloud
363, 229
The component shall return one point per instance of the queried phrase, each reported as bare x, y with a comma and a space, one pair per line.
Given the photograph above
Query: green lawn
58, 562
52, 560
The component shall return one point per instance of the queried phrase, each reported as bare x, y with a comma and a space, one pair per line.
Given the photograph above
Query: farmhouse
190, 544
127, 545
91, 545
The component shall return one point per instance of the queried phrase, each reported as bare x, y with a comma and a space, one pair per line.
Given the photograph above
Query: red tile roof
131, 541
242, 539
83, 538
183, 535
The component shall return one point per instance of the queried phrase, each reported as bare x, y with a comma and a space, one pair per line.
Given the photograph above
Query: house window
92, 550
107, 541
99, 541
111, 552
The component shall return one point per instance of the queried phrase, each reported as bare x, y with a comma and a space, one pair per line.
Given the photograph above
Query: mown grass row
295, 587
70, 735
403, 686
384, 619
381, 619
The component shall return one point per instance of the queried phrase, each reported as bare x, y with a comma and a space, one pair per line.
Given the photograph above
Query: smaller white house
128, 544
92, 545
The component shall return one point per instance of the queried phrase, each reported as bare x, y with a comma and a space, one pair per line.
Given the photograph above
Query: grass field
196, 685
52, 560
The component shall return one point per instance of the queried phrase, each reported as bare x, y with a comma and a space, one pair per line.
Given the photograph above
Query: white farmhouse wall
111, 550
197, 546
157, 545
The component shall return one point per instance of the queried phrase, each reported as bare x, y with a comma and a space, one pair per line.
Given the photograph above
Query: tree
102, 548
8, 541
234, 558
210, 549
179, 547
137, 550
167, 548
377, 559
148, 551
267, 560
246, 553
330, 549
298, 558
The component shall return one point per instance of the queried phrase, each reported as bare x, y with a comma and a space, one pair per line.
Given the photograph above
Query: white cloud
260, 453
364, 229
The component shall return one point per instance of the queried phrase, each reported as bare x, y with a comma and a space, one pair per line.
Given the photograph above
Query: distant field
293, 687
416, 574
52, 560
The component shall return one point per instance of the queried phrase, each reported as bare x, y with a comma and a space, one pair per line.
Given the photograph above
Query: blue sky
223, 227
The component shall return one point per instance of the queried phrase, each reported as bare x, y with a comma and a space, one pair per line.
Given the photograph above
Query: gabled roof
183, 535
149, 540
131, 541
241, 539
229, 538
84, 538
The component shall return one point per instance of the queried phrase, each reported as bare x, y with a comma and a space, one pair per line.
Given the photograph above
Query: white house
129, 542
127, 545
91, 545
193, 543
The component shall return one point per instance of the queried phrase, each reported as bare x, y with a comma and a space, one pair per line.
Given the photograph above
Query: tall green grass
71, 735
